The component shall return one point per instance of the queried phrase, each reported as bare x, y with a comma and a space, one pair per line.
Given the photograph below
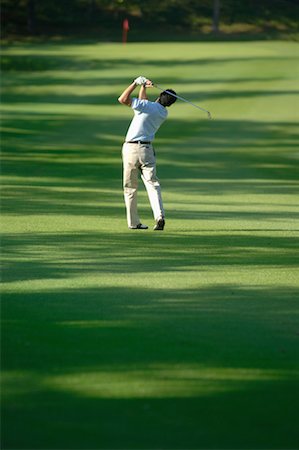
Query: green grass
116, 339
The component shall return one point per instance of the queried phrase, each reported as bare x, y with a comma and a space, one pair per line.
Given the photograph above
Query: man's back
148, 117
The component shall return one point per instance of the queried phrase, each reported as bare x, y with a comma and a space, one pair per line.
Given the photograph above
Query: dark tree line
40, 16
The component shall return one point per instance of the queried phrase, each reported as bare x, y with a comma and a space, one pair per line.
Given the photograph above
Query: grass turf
114, 339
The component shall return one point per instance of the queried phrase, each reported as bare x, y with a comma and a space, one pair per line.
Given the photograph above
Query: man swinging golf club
138, 152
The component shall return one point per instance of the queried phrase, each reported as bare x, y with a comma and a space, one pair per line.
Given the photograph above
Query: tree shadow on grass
40, 62
101, 348
71, 421
34, 256
42, 152
79, 98
126, 367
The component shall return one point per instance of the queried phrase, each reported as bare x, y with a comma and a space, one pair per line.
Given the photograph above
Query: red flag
126, 25
125, 30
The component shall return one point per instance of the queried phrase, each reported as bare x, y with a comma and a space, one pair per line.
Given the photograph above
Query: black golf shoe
160, 224
140, 226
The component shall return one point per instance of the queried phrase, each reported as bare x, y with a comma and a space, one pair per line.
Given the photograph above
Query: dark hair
167, 99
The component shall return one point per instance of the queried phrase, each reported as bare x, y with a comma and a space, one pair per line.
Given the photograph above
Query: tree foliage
42, 16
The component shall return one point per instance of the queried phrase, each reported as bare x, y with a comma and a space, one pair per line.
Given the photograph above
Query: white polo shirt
148, 117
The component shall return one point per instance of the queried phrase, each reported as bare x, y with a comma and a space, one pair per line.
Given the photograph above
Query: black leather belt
138, 142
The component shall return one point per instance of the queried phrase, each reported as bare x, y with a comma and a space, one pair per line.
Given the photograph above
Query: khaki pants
140, 158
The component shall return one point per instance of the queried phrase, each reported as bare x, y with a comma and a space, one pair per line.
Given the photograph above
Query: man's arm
125, 97
142, 92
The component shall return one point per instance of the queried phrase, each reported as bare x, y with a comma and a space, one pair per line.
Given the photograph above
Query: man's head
166, 99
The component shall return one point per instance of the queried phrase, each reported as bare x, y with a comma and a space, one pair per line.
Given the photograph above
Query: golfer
138, 152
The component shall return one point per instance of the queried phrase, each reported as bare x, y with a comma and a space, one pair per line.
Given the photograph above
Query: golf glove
140, 80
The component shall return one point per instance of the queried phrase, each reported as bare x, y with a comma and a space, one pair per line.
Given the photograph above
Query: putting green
118, 339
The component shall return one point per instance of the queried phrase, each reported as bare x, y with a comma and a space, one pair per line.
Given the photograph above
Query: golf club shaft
184, 100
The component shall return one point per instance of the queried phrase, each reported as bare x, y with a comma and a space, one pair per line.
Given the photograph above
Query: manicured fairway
118, 339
